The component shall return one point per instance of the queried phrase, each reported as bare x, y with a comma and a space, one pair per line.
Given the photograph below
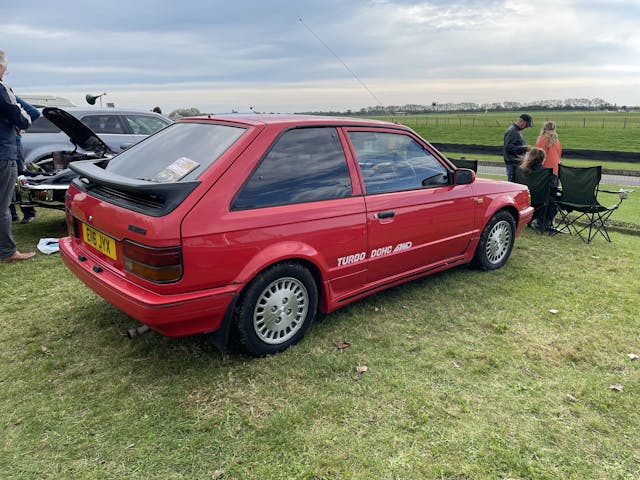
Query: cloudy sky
288, 56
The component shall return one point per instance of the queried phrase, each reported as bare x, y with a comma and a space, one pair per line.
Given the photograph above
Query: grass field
614, 131
608, 131
470, 376
567, 161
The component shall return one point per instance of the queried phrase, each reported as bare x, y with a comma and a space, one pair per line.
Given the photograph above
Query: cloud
404, 51
31, 33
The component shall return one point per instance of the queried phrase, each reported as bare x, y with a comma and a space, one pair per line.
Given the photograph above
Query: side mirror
464, 176
124, 146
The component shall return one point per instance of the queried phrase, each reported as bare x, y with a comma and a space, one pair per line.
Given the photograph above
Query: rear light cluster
72, 224
158, 265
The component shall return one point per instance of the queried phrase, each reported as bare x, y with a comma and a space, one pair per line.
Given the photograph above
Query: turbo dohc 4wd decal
377, 252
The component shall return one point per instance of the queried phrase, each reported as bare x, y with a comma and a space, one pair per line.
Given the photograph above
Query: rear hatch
126, 211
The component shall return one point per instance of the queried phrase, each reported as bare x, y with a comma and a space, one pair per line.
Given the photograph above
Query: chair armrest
622, 193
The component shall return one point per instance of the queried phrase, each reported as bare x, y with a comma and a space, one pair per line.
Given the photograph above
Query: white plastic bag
48, 245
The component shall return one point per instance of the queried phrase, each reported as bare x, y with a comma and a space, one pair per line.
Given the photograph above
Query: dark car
256, 222
74, 140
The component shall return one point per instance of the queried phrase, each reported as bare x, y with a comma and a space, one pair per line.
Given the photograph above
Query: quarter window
304, 165
392, 162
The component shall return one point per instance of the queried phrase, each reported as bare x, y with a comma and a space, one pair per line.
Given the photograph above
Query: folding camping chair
464, 163
579, 208
539, 183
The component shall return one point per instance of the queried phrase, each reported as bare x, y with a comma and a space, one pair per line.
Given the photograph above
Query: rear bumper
171, 315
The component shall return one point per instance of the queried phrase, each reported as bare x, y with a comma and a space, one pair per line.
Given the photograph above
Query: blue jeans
511, 171
8, 177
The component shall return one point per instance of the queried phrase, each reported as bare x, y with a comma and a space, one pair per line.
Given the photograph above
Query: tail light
158, 265
72, 226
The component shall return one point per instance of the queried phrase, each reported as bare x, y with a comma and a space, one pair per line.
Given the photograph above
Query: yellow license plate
99, 241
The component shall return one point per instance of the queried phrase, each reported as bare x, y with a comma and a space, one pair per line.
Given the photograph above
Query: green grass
627, 214
572, 162
582, 130
469, 378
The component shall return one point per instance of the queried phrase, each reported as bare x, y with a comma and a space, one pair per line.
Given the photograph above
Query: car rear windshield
181, 152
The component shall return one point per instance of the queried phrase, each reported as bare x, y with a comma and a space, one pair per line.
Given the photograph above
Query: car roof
253, 119
82, 110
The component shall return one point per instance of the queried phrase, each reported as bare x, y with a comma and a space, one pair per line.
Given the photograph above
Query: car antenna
341, 61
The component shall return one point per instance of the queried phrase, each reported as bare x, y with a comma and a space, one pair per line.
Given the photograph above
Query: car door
415, 218
300, 196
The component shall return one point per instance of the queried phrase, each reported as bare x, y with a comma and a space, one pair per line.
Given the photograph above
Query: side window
303, 165
103, 123
391, 162
144, 124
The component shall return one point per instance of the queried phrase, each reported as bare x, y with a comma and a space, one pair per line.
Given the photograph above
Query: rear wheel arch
276, 308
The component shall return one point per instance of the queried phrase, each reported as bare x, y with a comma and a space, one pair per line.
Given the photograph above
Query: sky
293, 56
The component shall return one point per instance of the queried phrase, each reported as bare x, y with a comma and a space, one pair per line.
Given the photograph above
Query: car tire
276, 309
496, 242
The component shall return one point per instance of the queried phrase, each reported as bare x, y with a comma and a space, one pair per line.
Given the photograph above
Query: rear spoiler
145, 196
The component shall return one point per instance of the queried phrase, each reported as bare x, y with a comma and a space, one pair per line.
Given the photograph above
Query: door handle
385, 214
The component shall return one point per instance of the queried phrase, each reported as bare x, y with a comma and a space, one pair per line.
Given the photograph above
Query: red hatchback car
256, 222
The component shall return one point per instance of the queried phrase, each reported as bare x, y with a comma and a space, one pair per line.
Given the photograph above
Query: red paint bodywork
223, 250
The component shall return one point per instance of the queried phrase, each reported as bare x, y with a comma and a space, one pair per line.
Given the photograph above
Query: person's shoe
18, 256
28, 219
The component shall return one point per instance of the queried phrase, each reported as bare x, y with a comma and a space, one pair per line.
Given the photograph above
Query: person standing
29, 213
514, 145
549, 142
13, 118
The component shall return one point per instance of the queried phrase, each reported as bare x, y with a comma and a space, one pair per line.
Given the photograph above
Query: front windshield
180, 152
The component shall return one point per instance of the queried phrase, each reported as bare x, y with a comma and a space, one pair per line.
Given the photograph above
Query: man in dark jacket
514, 144
29, 213
12, 119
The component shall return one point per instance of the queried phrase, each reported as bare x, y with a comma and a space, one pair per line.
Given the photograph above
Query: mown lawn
613, 131
470, 376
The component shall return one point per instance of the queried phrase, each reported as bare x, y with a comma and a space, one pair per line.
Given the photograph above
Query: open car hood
79, 134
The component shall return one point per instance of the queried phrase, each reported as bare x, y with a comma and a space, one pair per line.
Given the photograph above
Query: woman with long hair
548, 141
543, 216
533, 160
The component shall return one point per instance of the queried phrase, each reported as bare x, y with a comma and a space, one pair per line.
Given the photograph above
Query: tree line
579, 104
